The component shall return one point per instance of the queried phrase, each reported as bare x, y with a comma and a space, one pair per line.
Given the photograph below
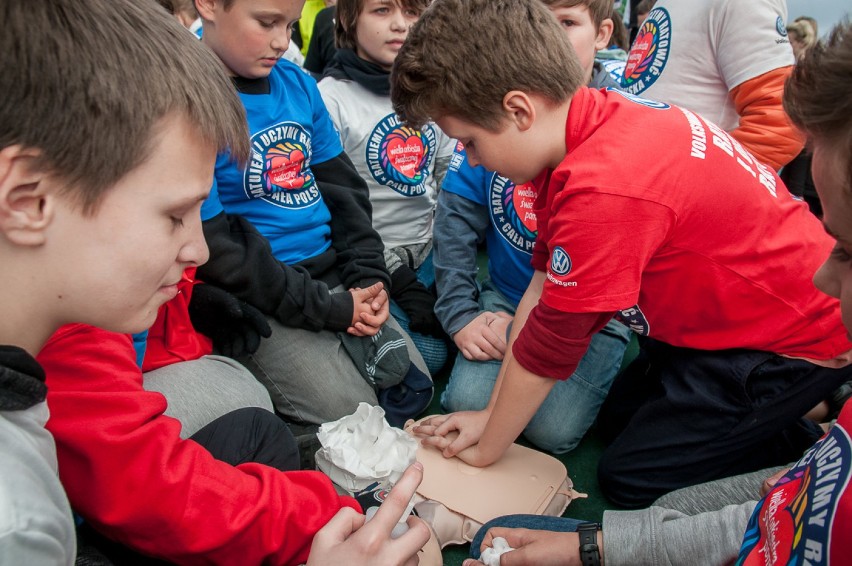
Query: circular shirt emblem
511, 210
560, 262
649, 52
278, 172
780, 27
399, 157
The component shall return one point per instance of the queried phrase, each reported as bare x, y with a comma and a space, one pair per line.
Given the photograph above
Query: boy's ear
604, 34
26, 199
206, 9
520, 109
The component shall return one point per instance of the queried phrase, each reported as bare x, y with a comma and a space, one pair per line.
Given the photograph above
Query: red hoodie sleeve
129, 474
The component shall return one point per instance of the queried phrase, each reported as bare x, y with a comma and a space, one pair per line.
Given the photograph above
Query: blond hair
463, 56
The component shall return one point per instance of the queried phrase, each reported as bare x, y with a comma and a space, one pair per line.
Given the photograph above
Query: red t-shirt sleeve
599, 244
127, 471
552, 343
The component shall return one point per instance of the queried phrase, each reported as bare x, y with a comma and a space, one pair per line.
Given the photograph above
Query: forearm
662, 537
521, 394
525, 306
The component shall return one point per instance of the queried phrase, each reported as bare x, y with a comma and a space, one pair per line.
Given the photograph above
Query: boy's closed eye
181, 212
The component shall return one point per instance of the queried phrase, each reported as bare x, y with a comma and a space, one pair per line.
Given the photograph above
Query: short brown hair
816, 96
348, 11
599, 9
86, 82
463, 56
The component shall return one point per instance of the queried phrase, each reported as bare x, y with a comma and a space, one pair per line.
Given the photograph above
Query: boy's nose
399, 22
195, 251
281, 40
471, 159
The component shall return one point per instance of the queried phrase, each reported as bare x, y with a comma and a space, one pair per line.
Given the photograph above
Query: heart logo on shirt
642, 52
523, 198
405, 153
284, 170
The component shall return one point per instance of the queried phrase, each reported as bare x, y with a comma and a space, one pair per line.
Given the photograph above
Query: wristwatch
590, 554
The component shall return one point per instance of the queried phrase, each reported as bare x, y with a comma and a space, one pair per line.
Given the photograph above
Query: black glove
417, 302
235, 326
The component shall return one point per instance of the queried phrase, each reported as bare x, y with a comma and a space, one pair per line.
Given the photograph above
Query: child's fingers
379, 300
428, 426
391, 510
448, 426
372, 319
339, 528
366, 329
438, 442
412, 540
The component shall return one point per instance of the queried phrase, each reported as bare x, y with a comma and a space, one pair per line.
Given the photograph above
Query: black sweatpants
678, 417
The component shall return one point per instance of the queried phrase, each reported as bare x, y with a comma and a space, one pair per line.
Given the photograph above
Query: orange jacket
765, 130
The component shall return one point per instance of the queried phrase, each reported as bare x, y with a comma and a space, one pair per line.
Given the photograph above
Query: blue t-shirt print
290, 129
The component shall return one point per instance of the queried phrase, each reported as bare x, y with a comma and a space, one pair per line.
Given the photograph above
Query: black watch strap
589, 552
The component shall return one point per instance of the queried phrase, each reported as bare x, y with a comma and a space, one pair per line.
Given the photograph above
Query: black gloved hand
415, 299
235, 326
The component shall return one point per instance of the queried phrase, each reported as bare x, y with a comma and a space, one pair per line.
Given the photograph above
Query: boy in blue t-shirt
301, 192
476, 204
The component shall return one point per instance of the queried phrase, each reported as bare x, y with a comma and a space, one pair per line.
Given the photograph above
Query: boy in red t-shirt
647, 211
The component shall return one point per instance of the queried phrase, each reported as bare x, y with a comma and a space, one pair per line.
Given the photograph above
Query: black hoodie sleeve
242, 263
360, 251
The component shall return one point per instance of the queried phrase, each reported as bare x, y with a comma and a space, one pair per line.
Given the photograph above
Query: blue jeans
571, 406
534, 522
433, 350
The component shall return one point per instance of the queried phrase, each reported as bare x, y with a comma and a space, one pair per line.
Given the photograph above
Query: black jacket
297, 295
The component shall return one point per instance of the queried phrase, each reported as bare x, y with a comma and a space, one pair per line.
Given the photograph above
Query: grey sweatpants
200, 391
311, 377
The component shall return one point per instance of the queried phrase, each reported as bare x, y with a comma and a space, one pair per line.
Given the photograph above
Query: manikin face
835, 276
585, 37
116, 266
251, 35
381, 28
